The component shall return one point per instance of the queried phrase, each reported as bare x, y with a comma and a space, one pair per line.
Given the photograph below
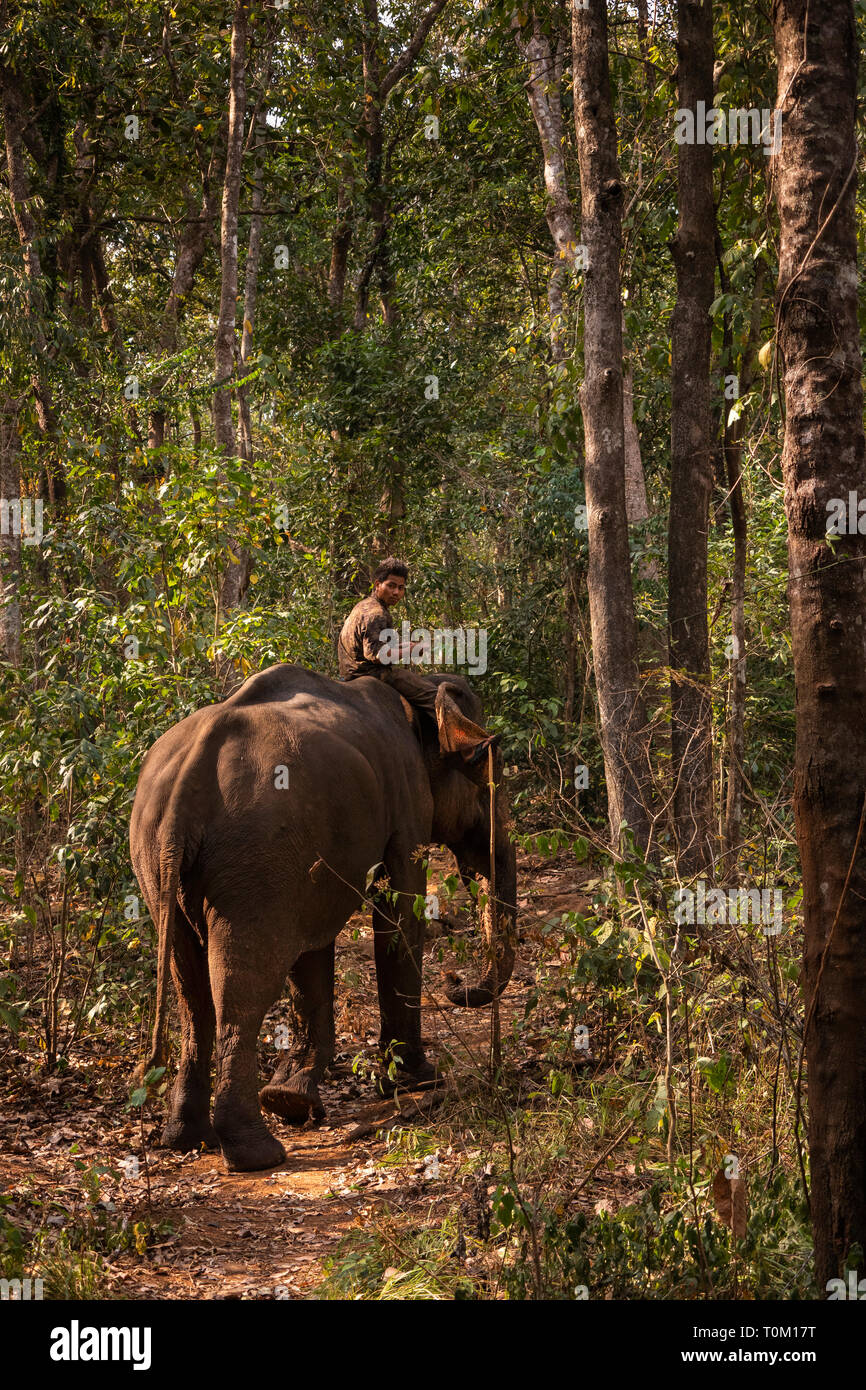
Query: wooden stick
495, 1034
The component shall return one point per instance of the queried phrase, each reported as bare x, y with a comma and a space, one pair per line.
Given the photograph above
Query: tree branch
402, 64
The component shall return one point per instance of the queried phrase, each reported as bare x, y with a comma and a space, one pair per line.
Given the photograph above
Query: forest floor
214, 1235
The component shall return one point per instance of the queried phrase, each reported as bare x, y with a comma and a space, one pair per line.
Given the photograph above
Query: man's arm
371, 638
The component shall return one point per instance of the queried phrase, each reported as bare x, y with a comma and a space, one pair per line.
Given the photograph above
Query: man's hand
409, 654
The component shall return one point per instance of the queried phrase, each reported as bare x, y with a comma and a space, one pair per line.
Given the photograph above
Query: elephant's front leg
293, 1091
398, 944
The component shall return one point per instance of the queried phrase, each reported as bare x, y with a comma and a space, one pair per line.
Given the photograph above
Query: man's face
391, 590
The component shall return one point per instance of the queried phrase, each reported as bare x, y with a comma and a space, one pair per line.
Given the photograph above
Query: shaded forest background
395, 369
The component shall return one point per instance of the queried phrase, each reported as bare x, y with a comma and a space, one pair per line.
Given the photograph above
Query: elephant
255, 826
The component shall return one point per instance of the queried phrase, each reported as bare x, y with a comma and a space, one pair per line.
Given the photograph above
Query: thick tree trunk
236, 574
824, 457
611, 602
545, 60
691, 459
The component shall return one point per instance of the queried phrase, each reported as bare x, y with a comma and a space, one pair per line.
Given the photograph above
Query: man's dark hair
390, 566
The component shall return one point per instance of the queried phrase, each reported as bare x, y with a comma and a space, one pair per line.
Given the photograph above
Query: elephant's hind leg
293, 1091
188, 1125
244, 983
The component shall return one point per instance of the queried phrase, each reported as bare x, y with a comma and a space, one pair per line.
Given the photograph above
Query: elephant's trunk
500, 933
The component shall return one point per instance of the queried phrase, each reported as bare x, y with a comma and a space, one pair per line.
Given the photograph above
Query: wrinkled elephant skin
256, 822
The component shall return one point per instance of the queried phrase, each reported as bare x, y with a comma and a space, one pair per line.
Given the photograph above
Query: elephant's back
300, 765
159, 776
362, 710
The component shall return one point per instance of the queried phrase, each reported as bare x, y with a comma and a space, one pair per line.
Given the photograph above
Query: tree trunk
735, 739
10, 536
376, 203
376, 91
236, 574
451, 581
19, 188
392, 508
572, 583
251, 288
341, 240
824, 457
10, 611
691, 459
93, 261
190, 254
636, 506
643, 40
611, 602
195, 419
95, 282
545, 62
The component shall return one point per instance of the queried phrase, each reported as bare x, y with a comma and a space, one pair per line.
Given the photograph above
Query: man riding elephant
363, 651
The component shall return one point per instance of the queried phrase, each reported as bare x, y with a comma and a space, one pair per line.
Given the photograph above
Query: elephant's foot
423, 1077
250, 1148
294, 1099
186, 1135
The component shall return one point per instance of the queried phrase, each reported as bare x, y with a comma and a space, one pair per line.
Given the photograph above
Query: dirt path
264, 1235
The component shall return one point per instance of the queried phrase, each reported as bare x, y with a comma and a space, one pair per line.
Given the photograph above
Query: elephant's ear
457, 732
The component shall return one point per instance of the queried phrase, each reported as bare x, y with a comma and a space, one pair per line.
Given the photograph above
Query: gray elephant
255, 825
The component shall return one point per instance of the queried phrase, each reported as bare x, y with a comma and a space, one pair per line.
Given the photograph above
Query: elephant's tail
170, 860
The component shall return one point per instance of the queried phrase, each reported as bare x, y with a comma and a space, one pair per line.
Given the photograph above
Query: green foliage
140, 1095
656, 1249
